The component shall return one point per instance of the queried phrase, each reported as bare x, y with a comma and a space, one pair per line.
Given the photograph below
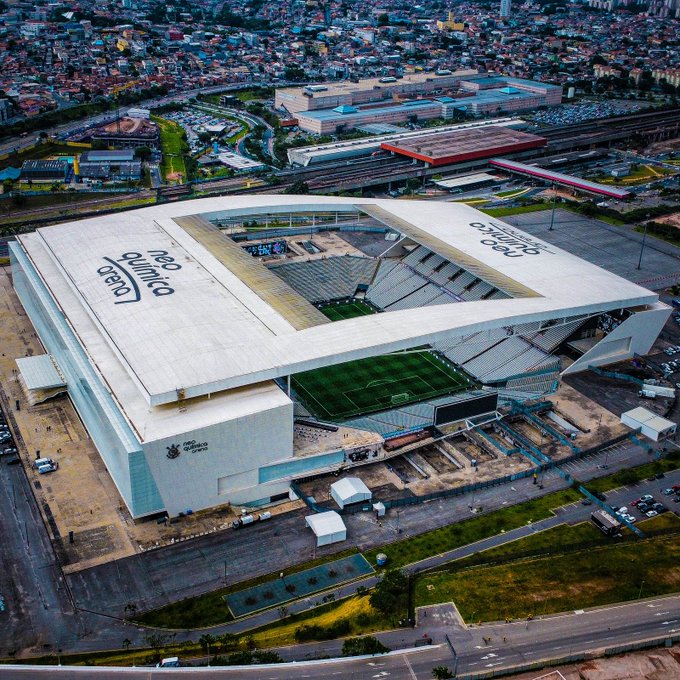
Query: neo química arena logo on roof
128, 275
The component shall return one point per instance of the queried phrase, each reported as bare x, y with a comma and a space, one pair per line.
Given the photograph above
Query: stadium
201, 341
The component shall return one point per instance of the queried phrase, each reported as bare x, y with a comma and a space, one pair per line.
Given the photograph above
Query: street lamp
552, 212
640, 591
644, 238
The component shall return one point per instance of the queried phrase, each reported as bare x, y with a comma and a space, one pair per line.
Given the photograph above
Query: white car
651, 513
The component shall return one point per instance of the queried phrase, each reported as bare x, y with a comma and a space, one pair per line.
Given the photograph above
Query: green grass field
375, 384
173, 147
346, 310
564, 580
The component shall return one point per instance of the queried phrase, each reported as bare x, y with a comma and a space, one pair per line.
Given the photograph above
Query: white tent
651, 425
328, 527
350, 490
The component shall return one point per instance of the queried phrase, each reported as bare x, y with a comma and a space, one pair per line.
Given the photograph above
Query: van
170, 662
42, 461
48, 467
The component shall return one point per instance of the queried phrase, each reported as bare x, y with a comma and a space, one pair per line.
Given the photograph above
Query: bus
607, 524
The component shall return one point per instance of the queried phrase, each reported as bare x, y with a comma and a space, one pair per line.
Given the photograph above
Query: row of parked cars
8, 448
647, 505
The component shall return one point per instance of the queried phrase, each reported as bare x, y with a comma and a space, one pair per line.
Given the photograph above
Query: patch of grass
346, 310
374, 384
210, 609
472, 530
593, 577
173, 146
512, 193
635, 474
357, 611
517, 210
670, 235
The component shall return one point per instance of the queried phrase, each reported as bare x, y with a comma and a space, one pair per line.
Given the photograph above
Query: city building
109, 165
55, 170
506, 6
177, 344
477, 95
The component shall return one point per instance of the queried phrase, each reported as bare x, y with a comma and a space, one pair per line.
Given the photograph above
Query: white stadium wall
635, 335
220, 464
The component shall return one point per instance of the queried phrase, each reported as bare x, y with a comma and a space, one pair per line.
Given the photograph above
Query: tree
298, 187
206, 640
383, 19
143, 153
363, 645
441, 673
390, 595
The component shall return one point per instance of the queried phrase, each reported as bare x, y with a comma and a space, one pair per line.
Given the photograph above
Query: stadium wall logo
192, 446
507, 241
127, 275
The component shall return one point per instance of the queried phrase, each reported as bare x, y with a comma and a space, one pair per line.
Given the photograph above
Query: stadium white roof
143, 293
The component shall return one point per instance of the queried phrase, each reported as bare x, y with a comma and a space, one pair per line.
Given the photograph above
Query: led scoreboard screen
269, 249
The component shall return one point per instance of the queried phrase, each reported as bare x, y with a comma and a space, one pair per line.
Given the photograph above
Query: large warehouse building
186, 355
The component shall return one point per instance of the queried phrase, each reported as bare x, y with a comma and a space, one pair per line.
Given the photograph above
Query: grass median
456, 535
597, 575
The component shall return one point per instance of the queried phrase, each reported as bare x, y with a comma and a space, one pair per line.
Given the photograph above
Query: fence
468, 488
616, 375
479, 559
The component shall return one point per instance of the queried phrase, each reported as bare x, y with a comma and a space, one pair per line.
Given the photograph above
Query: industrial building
105, 165
459, 146
356, 148
178, 348
54, 170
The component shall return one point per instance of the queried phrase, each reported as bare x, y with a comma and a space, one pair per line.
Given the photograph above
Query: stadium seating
332, 278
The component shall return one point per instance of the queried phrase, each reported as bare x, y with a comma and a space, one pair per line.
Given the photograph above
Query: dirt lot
658, 664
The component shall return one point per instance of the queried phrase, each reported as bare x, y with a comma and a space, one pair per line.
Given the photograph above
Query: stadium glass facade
116, 442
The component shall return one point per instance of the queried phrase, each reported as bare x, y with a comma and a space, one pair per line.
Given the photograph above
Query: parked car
47, 467
651, 513
667, 492
9, 450
14, 461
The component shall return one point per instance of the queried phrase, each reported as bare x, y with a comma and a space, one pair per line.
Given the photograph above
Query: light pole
552, 212
640, 591
644, 238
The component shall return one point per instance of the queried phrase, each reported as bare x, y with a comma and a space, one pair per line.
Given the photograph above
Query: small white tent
328, 527
350, 490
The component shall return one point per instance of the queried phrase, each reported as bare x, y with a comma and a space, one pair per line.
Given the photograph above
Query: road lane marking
410, 670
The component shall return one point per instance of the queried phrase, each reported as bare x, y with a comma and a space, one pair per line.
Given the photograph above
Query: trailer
246, 520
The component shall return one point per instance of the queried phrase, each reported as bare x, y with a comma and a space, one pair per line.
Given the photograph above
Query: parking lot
616, 249
585, 111
650, 504
196, 122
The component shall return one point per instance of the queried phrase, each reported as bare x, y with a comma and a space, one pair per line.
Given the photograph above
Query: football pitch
346, 310
376, 384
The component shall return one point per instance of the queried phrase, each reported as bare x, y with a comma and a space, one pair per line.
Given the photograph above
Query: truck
659, 390
647, 394
607, 524
245, 520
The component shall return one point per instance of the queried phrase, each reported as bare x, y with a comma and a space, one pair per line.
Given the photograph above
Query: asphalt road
510, 644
